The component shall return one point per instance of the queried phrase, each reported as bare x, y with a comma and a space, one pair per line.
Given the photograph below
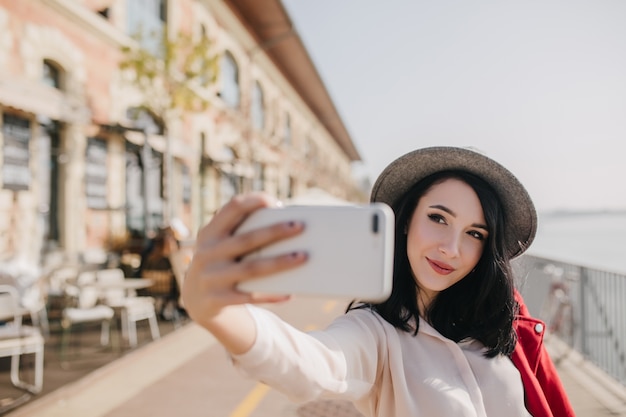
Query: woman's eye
476, 235
437, 218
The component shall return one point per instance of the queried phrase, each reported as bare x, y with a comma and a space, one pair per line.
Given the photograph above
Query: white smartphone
349, 247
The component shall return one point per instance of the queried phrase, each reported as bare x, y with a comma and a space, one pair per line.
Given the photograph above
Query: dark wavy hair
481, 306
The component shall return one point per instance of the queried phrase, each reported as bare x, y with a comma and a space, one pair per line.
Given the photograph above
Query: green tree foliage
176, 76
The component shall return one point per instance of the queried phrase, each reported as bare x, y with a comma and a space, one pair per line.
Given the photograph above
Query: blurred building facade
80, 169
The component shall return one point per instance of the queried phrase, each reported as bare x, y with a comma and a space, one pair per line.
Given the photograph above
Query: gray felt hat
519, 211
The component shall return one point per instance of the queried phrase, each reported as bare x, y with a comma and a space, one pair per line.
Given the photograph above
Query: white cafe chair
17, 340
56, 278
34, 300
83, 307
132, 308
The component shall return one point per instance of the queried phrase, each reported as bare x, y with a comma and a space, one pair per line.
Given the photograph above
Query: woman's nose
450, 245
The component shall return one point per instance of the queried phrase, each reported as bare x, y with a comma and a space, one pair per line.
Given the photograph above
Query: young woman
453, 339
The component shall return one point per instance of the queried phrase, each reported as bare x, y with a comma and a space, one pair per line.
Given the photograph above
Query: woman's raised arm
209, 290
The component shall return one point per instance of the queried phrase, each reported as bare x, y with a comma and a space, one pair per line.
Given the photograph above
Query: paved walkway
590, 390
187, 374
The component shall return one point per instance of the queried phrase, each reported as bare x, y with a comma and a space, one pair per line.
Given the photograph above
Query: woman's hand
210, 286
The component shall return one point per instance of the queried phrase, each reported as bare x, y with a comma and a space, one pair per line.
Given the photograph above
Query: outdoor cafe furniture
17, 339
162, 288
84, 308
55, 280
27, 277
32, 299
119, 293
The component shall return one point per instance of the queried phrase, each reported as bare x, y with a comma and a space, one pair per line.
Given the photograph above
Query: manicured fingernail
295, 225
296, 256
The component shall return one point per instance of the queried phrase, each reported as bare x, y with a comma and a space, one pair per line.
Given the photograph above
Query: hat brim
519, 211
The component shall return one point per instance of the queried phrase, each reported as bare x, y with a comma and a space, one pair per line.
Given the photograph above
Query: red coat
545, 395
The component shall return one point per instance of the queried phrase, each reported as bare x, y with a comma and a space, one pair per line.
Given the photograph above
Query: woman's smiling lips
440, 267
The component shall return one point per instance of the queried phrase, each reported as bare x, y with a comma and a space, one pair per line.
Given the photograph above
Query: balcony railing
584, 307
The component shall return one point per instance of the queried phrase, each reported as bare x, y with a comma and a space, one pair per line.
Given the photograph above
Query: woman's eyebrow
444, 208
453, 214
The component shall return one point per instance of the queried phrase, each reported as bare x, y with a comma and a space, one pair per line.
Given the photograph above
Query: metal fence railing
584, 307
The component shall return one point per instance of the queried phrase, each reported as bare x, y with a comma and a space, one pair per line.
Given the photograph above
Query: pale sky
538, 85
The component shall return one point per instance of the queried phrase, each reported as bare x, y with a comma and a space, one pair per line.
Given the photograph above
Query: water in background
595, 240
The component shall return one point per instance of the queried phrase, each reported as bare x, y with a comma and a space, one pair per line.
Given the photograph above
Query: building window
229, 73
96, 173
51, 74
144, 189
135, 194
51, 158
146, 20
287, 131
15, 153
257, 107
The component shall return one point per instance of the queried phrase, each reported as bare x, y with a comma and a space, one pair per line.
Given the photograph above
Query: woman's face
445, 237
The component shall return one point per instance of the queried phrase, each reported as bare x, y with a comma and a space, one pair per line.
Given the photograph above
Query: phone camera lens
375, 223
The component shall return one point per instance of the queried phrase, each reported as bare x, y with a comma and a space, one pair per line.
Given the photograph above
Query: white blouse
384, 371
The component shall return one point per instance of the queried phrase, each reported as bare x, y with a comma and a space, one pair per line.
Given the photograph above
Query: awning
40, 99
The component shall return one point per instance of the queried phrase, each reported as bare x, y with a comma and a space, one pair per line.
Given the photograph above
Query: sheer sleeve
341, 361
